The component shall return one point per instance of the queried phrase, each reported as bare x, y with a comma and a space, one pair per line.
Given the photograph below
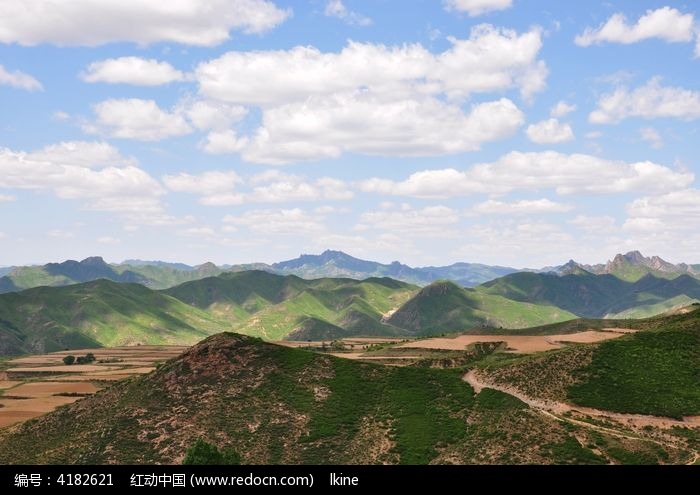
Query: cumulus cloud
477, 7
650, 101
434, 221
361, 123
280, 222
666, 24
132, 118
206, 115
524, 207
550, 131
491, 59
228, 188
677, 208
6, 198
562, 109
373, 99
93, 172
96, 22
131, 70
18, 79
565, 174
337, 9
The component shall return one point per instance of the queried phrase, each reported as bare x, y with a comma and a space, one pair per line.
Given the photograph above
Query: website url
252, 480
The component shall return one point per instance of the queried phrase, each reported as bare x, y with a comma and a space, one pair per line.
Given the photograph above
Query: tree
206, 454
69, 359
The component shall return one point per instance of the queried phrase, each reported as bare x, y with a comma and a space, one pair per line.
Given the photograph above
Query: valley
460, 399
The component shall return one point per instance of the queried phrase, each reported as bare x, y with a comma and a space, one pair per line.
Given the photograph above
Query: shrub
206, 454
68, 360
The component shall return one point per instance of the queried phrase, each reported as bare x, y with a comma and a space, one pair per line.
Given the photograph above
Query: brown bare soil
55, 378
515, 343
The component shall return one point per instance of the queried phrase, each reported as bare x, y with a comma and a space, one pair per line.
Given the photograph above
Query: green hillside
655, 371
277, 307
100, 313
274, 405
597, 296
446, 307
154, 276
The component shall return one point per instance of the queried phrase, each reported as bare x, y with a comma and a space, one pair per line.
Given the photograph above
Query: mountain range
277, 307
630, 267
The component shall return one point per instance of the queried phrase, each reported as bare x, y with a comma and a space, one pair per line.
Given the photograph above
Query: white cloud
205, 115
594, 135
336, 8
649, 102
677, 208
429, 221
524, 207
60, 116
93, 172
283, 222
491, 59
651, 136
6, 198
562, 109
18, 79
550, 131
224, 142
137, 119
374, 99
477, 7
361, 123
96, 22
227, 188
206, 184
666, 24
132, 70
697, 47
669, 221
566, 174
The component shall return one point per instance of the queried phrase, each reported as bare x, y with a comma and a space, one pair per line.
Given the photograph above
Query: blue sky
511, 132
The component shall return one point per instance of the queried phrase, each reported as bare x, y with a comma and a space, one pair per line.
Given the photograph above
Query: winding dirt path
479, 382
555, 409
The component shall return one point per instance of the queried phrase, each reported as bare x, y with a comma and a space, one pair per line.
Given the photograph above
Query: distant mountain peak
93, 260
635, 257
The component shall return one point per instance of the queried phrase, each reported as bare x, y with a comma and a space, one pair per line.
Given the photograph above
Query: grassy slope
656, 371
275, 307
445, 307
596, 296
653, 372
101, 313
277, 405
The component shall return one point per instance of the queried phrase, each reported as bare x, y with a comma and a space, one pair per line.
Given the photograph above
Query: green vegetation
597, 296
445, 307
69, 360
653, 372
570, 451
100, 313
206, 454
278, 405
